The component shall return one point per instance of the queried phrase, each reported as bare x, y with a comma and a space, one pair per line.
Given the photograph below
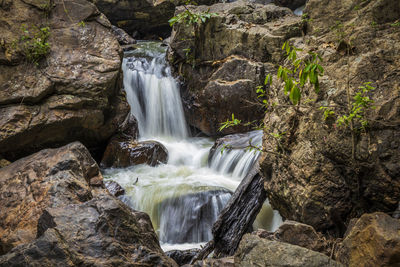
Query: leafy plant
33, 43
190, 18
229, 123
299, 72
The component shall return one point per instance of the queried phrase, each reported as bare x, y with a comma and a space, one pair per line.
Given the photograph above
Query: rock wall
223, 60
74, 93
314, 178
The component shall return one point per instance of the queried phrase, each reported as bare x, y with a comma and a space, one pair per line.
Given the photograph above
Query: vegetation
33, 43
189, 18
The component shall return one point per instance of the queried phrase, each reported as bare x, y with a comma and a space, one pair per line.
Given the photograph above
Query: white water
184, 196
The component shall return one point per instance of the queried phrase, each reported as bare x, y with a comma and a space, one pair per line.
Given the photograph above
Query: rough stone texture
142, 18
255, 251
313, 178
72, 94
122, 152
182, 257
56, 212
373, 240
228, 57
122, 37
114, 188
299, 234
222, 262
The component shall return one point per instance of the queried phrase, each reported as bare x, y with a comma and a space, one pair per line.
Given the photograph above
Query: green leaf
295, 95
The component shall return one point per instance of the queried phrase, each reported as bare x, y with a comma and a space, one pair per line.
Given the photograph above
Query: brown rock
373, 240
122, 37
114, 188
222, 262
72, 94
52, 216
122, 152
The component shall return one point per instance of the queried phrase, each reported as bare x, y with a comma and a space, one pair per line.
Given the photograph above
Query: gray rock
122, 37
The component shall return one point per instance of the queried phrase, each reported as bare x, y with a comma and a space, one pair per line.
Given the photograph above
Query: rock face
142, 18
255, 251
373, 240
56, 212
122, 37
182, 257
114, 188
292, 4
227, 59
313, 177
122, 152
72, 94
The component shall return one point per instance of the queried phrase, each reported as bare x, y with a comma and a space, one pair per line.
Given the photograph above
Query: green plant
229, 123
298, 73
33, 43
395, 24
82, 23
190, 18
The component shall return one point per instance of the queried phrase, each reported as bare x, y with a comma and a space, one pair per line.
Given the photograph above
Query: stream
183, 197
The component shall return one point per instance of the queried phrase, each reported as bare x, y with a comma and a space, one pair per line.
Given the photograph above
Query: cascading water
184, 196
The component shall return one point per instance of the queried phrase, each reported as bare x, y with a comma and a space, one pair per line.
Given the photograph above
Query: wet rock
315, 179
206, 205
53, 215
122, 37
114, 188
73, 94
141, 18
129, 128
222, 262
292, 4
373, 240
261, 252
299, 234
228, 59
121, 153
182, 257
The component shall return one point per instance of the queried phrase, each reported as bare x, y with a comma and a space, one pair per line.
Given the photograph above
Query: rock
182, 257
147, 19
314, 179
374, 240
114, 188
396, 213
74, 93
4, 162
255, 251
299, 234
122, 37
222, 262
228, 58
122, 152
130, 128
292, 4
52, 215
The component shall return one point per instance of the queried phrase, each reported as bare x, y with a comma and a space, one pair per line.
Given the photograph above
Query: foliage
361, 102
229, 123
33, 43
299, 73
189, 18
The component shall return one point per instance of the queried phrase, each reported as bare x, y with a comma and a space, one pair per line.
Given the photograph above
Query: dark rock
114, 188
255, 251
182, 257
130, 128
373, 240
222, 262
396, 213
73, 94
225, 66
122, 37
292, 4
121, 153
53, 216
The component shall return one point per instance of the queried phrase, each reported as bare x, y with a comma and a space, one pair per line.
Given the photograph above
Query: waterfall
183, 197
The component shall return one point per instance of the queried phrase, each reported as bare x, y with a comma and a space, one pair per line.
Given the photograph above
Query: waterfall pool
183, 197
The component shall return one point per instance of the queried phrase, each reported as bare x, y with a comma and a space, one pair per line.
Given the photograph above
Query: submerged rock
121, 153
56, 212
74, 93
261, 252
228, 58
372, 240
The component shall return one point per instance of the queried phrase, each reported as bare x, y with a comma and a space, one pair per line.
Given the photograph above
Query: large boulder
142, 18
74, 93
122, 152
312, 176
56, 212
372, 240
223, 60
255, 251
